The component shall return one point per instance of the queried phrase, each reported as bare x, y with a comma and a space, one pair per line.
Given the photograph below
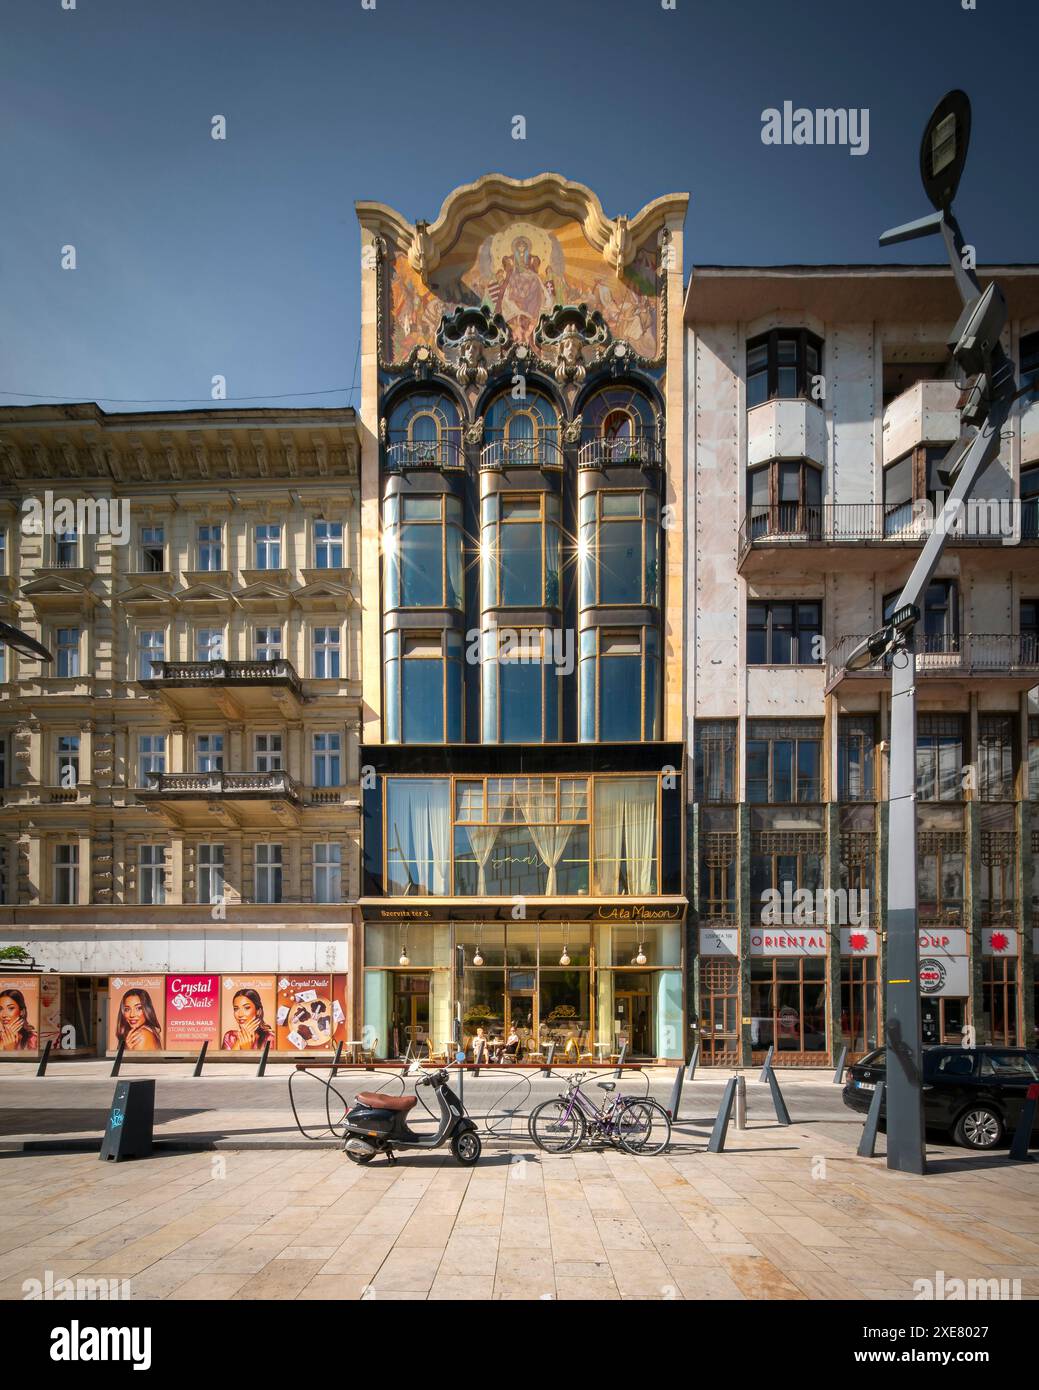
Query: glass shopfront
590, 989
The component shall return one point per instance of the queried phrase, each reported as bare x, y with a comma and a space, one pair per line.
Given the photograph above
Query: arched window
521, 433
424, 431
618, 426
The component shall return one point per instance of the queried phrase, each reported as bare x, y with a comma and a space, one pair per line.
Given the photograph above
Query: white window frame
328, 872
326, 543
268, 650
66, 873
209, 872
268, 871
151, 874
205, 546
148, 756
213, 754
209, 644
144, 545
323, 759
66, 757
323, 650
70, 541
264, 544
142, 649
66, 654
268, 752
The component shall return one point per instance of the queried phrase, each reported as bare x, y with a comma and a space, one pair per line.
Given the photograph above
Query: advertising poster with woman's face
307, 1012
136, 1012
247, 1012
50, 1013
19, 1014
192, 1011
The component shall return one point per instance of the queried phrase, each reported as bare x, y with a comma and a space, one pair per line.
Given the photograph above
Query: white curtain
549, 840
422, 811
482, 839
640, 823
609, 833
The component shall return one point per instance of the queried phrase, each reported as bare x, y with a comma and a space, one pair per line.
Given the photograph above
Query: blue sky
240, 257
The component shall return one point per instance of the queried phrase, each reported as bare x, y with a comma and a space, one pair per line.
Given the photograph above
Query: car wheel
980, 1127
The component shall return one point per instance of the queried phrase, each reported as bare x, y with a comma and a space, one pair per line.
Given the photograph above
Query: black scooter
376, 1124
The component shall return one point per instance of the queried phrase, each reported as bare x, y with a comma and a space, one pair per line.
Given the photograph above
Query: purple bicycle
640, 1126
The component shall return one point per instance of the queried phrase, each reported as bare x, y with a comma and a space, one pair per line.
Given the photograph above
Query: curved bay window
422, 548
618, 428
423, 687
782, 365
521, 433
521, 688
619, 548
619, 685
424, 430
519, 550
785, 499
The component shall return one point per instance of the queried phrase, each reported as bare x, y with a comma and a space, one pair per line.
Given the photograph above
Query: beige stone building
180, 781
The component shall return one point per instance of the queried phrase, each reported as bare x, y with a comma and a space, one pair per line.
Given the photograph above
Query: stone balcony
974, 659
238, 690
233, 800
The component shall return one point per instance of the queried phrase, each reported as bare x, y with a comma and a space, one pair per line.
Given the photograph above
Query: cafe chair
572, 1052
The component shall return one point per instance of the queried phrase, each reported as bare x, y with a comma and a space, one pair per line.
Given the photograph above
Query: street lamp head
880, 643
21, 642
943, 150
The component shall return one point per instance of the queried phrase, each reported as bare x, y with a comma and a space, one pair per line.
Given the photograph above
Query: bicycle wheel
556, 1126
643, 1128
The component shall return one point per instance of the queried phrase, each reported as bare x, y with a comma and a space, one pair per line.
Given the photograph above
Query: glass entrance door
942, 1020
719, 995
410, 1015
633, 1015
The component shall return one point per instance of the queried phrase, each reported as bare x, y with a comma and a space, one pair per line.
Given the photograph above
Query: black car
975, 1092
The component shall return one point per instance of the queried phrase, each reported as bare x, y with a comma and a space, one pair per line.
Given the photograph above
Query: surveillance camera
977, 330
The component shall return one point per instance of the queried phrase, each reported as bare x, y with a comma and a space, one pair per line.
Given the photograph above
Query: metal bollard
779, 1104
838, 1075
1025, 1122
547, 1068
691, 1072
768, 1062
741, 1102
675, 1103
868, 1143
335, 1059
717, 1140
201, 1058
41, 1070
263, 1060
118, 1057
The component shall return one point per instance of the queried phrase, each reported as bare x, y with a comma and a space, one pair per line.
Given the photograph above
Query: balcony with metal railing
401, 455
503, 453
236, 800
1011, 657
771, 528
238, 689
643, 449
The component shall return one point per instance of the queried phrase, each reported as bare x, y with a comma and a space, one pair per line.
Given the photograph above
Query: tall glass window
423, 687
625, 825
619, 548
209, 644
327, 760
268, 873
784, 760
151, 874
856, 744
268, 644
996, 757
521, 690
151, 647
620, 684
210, 859
67, 651
328, 545
328, 873
716, 761
66, 873
418, 836
268, 546
151, 756
209, 752
325, 653
210, 550
422, 542
939, 757
520, 550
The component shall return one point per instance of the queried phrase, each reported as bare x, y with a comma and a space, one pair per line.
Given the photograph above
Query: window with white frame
268, 873
328, 873
209, 644
210, 876
151, 874
66, 549
66, 873
67, 748
210, 549
66, 651
328, 545
151, 647
151, 756
209, 752
268, 546
153, 549
325, 662
327, 760
268, 644
267, 752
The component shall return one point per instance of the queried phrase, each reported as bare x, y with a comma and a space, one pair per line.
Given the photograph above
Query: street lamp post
989, 393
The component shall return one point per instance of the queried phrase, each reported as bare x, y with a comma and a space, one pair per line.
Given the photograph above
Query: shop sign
787, 943
998, 941
137, 1012
943, 941
192, 1011
19, 1013
247, 1012
944, 975
639, 912
858, 941
719, 941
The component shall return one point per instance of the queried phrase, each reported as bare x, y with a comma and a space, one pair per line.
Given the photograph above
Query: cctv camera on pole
989, 389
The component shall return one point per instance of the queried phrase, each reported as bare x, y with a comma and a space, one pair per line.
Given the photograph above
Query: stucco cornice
617, 238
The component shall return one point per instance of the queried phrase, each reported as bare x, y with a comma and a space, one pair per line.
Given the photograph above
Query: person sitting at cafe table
511, 1048
481, 1047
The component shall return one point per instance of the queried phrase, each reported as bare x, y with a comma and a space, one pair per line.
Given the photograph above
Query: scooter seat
380, 1102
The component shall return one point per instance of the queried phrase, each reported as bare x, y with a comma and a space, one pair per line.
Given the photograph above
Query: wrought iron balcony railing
542, 452
953, 654
644, 450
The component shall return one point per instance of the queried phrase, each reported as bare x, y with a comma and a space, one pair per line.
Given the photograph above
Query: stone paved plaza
782, 1214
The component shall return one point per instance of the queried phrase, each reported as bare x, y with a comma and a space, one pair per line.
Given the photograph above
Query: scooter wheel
466, 1147
360, 1159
